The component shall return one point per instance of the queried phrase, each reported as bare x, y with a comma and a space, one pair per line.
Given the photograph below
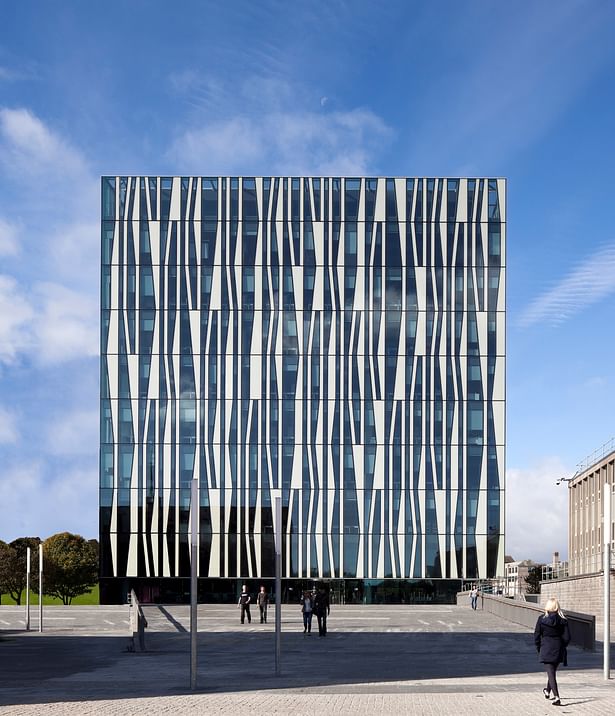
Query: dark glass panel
108, 198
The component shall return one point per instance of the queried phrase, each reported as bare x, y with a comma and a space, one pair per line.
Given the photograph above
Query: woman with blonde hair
551, 637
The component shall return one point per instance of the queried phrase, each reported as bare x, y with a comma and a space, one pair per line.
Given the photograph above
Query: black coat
551, 637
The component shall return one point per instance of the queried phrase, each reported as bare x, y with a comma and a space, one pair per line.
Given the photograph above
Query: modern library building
335, 342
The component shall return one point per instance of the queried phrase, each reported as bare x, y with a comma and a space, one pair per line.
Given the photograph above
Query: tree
7, 556
13, 562
70, 566
533, 579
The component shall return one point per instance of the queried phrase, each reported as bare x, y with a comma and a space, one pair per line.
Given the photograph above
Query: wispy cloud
47, 324
8, 427
16, 315
285, 142
67, 326
73, 433
585, 285
9, 242
523, 72
537, 527
30, 147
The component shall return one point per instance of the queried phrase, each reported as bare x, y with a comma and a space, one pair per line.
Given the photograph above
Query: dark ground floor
226, 591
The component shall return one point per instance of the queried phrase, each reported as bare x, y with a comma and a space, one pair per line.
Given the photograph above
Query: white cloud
16, 316
76, 254
67, 325
73, 433
537, 511
30, 147
8, 427
590, 282
36, 504
335, 143
51, 323
9, 244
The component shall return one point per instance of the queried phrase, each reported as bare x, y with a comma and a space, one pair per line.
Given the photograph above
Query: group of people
551, 634
314, 602
262, 600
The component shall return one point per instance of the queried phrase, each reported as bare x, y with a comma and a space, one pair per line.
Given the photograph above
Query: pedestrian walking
307, 608
474, 597
322, 610
244, 604
262, 599
551, 637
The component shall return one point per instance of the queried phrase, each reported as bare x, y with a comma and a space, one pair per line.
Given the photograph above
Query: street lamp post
278, 582
27, 589
194, 517
606, 542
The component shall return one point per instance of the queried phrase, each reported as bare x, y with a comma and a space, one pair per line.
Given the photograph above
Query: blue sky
521, 90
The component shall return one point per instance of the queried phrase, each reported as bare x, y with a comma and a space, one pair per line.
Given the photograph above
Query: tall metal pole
606, 541
27, 589
278, 582
194, 512
40, 587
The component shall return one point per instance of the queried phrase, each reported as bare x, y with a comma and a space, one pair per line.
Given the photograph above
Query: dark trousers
322, 624
474, 600
307, 621
245, 610
551, 680
263, 610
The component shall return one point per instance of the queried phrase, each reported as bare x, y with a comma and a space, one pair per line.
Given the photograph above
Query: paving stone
431, 659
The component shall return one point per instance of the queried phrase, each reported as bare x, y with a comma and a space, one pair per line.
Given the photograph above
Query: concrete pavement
432, 659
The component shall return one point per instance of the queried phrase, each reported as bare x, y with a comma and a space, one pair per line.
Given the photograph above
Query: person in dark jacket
262, 599
551, 637
244, 604
322, 611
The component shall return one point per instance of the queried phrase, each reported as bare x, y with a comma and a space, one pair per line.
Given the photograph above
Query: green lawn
91, 598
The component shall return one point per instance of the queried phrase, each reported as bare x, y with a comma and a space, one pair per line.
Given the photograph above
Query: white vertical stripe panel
462, 201
175, 212
501, 305
114, 519
499, 417
143, 540
380, 213
380, 556
502, 199
484, 216
440, 500
115, 251
481, 324
400, 375
481, 529
115, 292
197, 209
359, 291
112, 369
420, 273
499, 382
500, 334
296, 476
420, 347
131, 568
400, 191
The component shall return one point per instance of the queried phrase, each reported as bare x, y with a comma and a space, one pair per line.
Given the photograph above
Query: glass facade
337, 342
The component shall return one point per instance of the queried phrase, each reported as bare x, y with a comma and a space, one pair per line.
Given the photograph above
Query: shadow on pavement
52, 668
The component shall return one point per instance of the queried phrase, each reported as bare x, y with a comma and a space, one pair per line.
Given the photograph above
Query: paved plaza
432, 659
